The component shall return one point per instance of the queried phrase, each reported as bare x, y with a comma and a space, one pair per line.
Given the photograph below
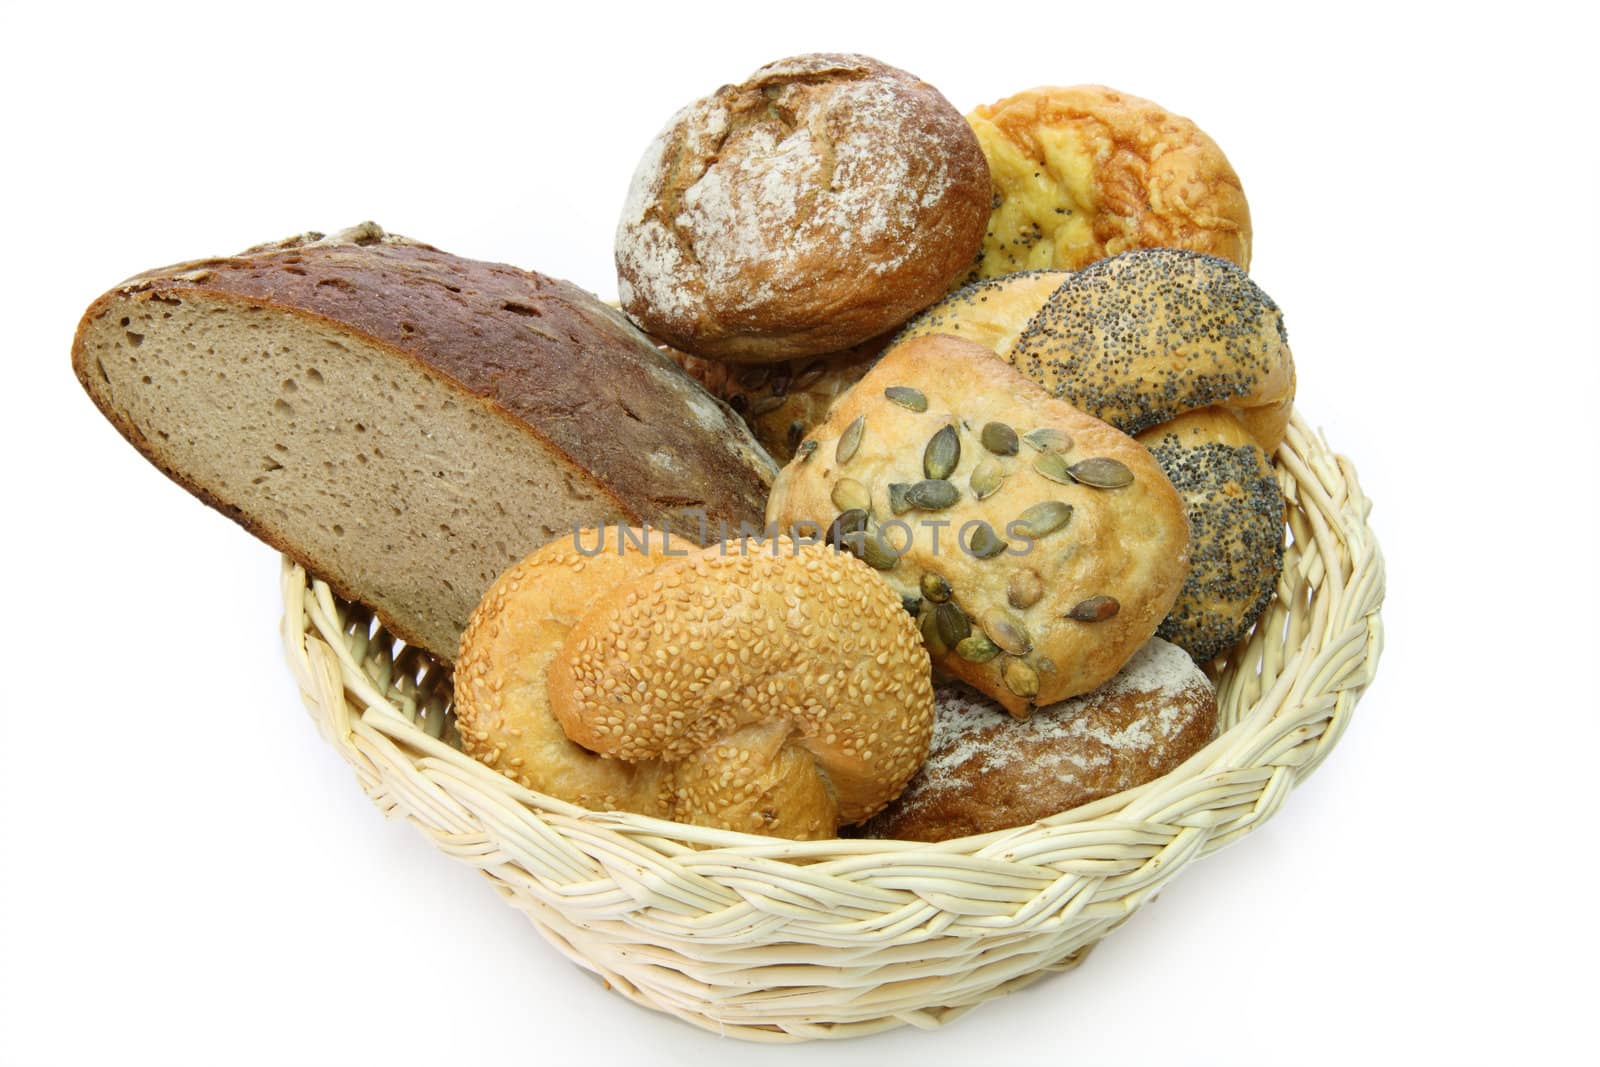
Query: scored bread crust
619, 420
815, 205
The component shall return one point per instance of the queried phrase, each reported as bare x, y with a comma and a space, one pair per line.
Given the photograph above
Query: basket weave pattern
775, 940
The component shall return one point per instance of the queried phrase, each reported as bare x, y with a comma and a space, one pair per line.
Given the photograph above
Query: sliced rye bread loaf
407, 423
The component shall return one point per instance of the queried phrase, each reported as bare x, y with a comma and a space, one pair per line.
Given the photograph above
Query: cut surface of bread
403, 487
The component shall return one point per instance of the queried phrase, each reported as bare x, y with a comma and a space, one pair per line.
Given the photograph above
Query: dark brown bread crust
987, 772
539, 349
819, 203
536, 351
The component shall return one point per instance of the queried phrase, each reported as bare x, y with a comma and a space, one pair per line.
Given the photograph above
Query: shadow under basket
774, 940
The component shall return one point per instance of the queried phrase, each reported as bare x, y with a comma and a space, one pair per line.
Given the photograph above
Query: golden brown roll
986, 772
502, 704
815, 205
789, 669
1086, 172
765, 688
992, 312
1038, 547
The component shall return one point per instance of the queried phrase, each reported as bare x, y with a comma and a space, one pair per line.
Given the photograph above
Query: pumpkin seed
766, 405
1100, 472
850, 495
1095, 609
1053, 467
1007, 632
796, 431
805, 451
953, 624
850, 440
907, 397
780, 383
999, 438
1025, 588
943, 452
1045, 517
930, 635
912, 604
1048, 439
987, 477
841, 533
932, 495
985, 544
897, 497
876, 554
977, 649
935, 588
1020, 678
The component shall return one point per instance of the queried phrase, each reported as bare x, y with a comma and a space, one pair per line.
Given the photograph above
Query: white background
189, 876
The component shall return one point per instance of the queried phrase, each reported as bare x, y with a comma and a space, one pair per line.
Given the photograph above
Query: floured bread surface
815, 205
406, 423
986, 771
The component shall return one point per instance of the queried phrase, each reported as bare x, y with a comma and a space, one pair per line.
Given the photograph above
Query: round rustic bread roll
1038, 547
1187, 353
1087, 172
815, 205
781, 402
986, 772
787, 673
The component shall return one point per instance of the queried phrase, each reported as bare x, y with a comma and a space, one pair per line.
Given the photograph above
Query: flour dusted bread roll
1087, 172
986, 772
1038, 547
404, 422
816, 204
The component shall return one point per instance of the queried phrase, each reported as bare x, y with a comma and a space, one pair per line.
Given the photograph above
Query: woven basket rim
1029, 899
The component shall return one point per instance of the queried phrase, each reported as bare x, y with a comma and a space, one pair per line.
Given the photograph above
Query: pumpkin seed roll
1037, 548
1186, 352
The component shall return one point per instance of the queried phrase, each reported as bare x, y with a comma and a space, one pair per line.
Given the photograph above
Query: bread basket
773, 940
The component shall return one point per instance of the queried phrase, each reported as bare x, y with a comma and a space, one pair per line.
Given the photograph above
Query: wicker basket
774, 940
